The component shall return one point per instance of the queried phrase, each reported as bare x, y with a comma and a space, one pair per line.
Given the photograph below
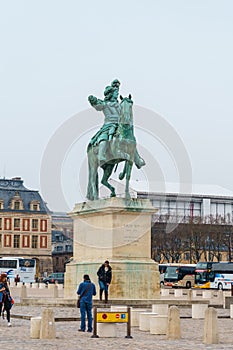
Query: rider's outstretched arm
96, 103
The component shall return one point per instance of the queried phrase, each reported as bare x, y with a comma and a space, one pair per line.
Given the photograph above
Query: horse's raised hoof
121, 176
113, 194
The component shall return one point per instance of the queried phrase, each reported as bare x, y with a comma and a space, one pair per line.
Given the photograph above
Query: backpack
8, 302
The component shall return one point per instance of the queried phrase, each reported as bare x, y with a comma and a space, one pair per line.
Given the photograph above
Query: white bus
221, 276
25, 268
180, 275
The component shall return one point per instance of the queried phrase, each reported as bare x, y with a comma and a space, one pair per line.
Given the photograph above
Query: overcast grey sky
174, 56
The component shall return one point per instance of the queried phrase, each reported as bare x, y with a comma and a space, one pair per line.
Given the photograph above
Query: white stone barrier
144, 320
47, 329
211, 327
135, 313
119, 308
164, 292
35, 327
158, 324
207, 294
178, 293
198, 310
23, 293
42, 285
160, 309
19, 284
107, 330
55, 291
173, 325
51, 286
231, 311
34, 285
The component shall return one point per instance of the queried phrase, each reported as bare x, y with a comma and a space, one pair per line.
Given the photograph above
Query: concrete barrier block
144, 320
135, 312
207, 294
118, 308
198, 310
47, 330
23, 293
211, 327
35, 327
158, 324
173, 325
106, 330
164, 292
160, 309
178, 293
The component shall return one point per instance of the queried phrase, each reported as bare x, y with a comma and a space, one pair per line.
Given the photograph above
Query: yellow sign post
109, 317
112, 317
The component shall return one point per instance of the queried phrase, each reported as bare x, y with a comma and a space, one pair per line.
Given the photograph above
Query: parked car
57, 277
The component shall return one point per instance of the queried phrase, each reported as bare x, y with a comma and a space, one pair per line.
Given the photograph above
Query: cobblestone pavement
17, 337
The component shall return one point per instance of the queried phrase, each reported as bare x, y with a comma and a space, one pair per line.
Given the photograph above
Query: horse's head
127, 99
126, 116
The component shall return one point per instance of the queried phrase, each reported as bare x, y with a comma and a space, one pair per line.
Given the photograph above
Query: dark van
57, 277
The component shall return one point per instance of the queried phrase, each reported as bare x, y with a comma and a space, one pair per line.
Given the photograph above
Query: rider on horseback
111, 109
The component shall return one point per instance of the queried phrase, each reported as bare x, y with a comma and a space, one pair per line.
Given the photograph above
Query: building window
7, 224
0, 223
34, 241
35, 205
43, 242
34, 224
1, 205
59, 248
17, 205
16, 241
7, 241
43, 225
0, 241
26, 241
17, 224
26, 224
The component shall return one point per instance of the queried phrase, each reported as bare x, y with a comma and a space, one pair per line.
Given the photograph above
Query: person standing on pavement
86, 290
105, 277
5, 298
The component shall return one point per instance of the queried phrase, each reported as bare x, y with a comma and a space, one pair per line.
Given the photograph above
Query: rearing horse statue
121, 147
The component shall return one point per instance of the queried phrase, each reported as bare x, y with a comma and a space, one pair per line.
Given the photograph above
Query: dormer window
1, 204
35, 205
16, 203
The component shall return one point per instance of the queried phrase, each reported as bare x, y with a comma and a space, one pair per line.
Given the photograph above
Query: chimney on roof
17, 178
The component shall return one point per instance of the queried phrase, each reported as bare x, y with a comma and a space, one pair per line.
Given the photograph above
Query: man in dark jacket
105, 276
86, 290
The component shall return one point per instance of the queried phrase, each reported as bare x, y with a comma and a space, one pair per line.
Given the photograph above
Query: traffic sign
117, 317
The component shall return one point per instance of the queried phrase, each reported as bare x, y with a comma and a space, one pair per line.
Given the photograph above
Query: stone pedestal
117, 230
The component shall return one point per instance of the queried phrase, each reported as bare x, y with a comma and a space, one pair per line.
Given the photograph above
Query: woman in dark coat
5, 298
105, 276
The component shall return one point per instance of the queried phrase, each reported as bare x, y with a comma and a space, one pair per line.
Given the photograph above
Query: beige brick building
25, 224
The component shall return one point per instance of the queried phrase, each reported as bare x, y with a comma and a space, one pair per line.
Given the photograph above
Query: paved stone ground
67, 336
